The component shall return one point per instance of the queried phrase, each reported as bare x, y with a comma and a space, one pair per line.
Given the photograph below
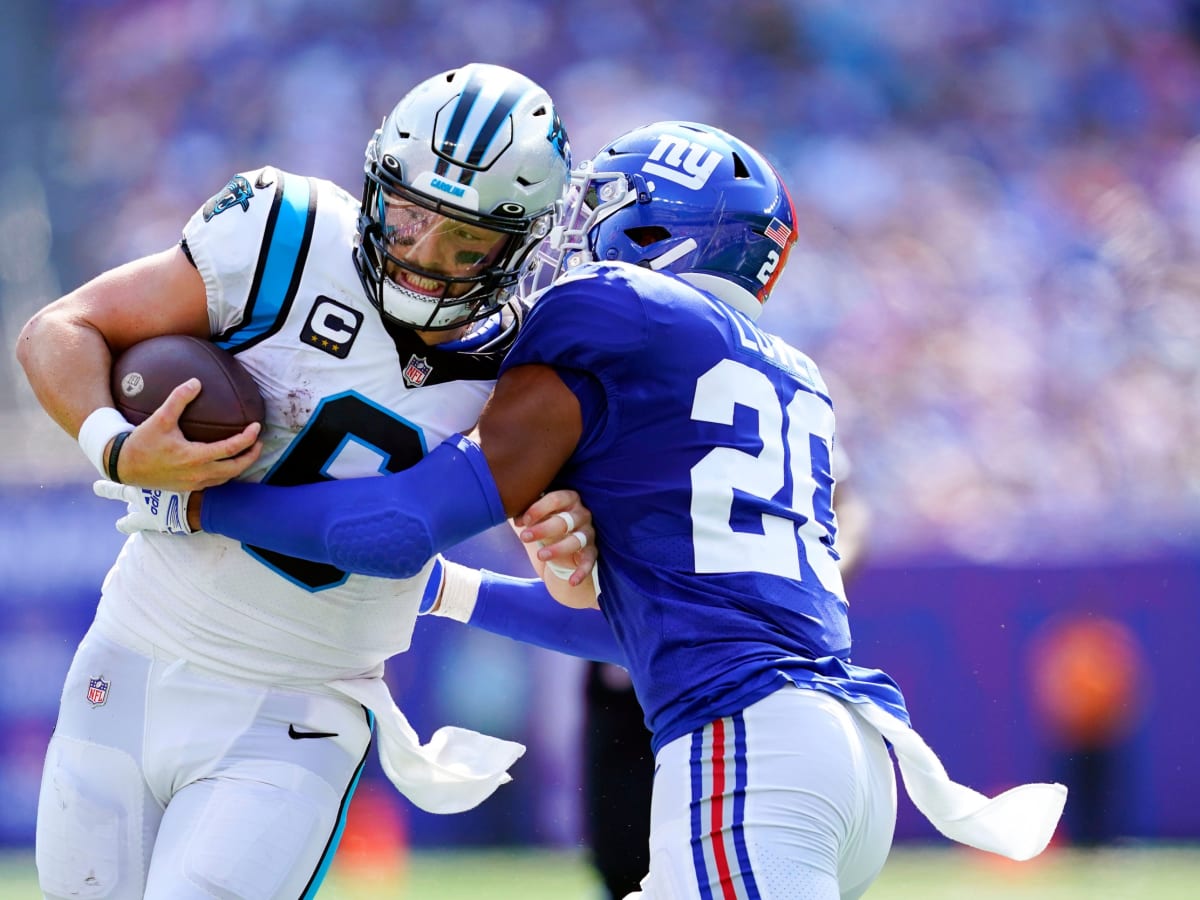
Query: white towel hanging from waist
1017, 823
457, 770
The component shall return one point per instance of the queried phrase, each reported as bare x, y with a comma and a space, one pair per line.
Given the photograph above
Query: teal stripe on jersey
285, 245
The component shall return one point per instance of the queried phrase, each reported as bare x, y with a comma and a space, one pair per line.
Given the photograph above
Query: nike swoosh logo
301, 735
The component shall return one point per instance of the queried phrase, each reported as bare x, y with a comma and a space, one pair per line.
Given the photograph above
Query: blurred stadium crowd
998, 274
998, 270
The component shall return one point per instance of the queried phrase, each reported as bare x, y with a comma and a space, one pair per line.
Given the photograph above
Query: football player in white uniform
217, 714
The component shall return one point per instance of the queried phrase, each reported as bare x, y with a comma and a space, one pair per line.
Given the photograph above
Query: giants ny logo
683, 162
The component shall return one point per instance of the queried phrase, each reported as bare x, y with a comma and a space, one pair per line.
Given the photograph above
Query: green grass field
944, 873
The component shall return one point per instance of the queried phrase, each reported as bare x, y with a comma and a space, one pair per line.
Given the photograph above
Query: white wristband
97, 430
460, 590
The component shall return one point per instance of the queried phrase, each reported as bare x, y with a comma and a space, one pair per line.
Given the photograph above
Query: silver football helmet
463, 179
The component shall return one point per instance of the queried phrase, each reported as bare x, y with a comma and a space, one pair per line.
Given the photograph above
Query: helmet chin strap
677, 252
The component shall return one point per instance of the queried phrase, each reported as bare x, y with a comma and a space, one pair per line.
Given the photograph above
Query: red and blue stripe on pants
718, 811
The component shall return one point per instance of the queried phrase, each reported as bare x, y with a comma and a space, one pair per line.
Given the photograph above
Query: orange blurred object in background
1088, 681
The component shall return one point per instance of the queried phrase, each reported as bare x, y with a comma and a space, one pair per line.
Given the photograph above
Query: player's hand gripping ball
147, 372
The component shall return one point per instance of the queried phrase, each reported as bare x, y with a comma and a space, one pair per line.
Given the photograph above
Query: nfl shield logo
416, 371
97, 691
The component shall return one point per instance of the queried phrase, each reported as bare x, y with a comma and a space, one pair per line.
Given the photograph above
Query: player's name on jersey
771, 348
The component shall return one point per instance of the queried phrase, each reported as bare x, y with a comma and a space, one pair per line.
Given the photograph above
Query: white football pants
168, 782
794, 798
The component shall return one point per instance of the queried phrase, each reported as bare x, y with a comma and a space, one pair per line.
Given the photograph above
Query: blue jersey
705, 459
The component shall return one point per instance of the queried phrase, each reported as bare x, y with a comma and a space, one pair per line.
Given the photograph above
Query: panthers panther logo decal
557, 137
237, 193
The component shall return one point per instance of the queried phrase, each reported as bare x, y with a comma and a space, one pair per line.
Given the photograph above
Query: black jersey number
345, 436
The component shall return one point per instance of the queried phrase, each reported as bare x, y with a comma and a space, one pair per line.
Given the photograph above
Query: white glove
149, 509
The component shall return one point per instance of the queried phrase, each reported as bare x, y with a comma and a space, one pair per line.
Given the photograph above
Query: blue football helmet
684, 198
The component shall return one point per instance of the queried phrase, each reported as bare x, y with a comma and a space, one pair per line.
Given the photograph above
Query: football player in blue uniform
217, 714
702, 445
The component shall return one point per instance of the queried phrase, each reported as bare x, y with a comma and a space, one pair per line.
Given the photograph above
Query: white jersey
343, 399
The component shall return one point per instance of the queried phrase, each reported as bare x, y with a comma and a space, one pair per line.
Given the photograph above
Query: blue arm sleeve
389, 526
522, 609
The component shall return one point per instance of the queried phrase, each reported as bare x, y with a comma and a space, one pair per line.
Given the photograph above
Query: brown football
147, 372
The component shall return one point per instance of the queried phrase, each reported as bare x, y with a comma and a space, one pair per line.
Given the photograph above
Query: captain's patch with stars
331, 327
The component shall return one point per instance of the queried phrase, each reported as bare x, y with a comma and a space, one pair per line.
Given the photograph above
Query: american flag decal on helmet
417, 371
778, 232
97, 691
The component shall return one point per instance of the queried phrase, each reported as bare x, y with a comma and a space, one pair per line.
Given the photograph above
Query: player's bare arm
67, 349
527, 431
